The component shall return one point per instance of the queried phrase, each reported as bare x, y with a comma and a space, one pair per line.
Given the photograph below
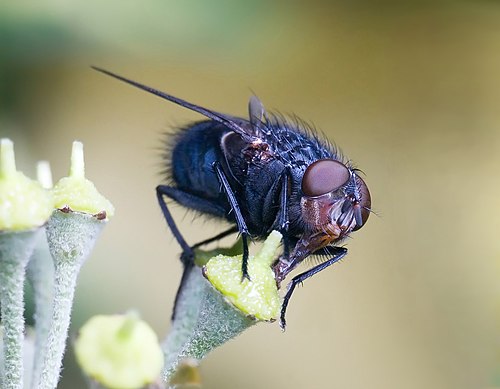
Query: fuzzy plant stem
204, 320
215, 305
65, 284
71, 237
15, 251
40, 273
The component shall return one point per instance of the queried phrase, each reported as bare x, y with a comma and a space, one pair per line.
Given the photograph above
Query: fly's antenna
218, 117
356, 190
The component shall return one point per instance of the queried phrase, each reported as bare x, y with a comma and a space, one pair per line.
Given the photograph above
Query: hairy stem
71, 237
205, 320
15, 251
65, 283
40, 273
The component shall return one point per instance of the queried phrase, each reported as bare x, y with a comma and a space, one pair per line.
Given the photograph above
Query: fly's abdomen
195, 151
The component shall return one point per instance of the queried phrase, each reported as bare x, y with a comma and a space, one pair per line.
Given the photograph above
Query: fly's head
335, 201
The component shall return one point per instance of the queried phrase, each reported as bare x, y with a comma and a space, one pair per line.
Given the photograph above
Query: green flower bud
44, 174
258, 297
24, 204
119, 351
77, 193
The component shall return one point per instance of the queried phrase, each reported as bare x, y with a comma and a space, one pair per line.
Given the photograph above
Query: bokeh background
409, 90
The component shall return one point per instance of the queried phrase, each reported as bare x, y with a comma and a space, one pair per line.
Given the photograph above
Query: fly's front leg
339, 253
240, 221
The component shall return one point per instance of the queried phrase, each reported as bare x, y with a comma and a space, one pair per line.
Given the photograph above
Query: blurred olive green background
409, 90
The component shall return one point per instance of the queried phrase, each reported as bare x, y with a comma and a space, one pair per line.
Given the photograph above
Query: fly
261, 174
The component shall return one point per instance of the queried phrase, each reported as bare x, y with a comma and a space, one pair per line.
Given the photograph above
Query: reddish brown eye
323, 176
365, 203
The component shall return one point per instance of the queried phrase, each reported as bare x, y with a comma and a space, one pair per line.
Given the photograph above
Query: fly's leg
283, 221
282, 224
340, 252
188, 200
189, 264
240, 221
187, 256
215, 238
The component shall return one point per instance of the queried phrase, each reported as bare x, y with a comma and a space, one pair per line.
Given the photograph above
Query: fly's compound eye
324, 176
362, 208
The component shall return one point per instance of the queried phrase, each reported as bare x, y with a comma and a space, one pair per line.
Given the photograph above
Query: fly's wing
258, 116
247, 132
256, 110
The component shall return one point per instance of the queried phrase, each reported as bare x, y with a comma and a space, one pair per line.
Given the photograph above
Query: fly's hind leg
187, 256
194, 202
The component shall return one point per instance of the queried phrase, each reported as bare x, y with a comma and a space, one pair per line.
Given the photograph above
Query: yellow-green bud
44, 174
24, 204
76, 192
258, 297
119, 351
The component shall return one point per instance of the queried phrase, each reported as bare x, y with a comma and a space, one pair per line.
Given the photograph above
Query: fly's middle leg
240, 221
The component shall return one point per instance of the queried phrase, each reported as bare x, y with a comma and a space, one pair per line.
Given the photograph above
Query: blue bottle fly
261, 174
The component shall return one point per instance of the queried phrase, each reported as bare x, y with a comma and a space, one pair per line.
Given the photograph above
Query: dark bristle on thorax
299, 141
